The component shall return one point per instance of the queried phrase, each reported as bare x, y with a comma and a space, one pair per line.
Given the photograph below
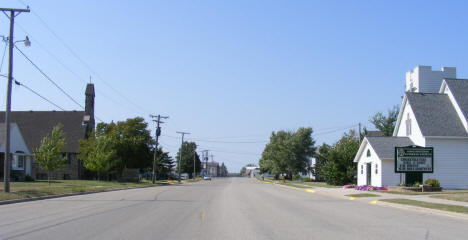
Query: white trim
446, 137
454, 104
400, 116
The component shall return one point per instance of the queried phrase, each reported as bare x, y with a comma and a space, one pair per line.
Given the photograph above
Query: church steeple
89, 108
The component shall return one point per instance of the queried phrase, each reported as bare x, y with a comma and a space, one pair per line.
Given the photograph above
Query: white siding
416, 134
390, 178
376, 178
450, 163
427, 81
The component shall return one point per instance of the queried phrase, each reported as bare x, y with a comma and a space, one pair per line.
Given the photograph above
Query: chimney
88, 119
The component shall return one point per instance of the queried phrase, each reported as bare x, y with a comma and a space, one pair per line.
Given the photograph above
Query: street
224, 208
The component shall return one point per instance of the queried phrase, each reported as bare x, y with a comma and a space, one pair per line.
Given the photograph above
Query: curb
5, 202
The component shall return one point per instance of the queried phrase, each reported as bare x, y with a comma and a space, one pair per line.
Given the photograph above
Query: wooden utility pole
359, 134
11, 43
158, 133
181, 146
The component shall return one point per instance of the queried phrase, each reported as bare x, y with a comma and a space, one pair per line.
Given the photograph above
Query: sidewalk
342, 193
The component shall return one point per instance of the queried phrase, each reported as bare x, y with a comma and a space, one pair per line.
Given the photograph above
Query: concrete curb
5, 202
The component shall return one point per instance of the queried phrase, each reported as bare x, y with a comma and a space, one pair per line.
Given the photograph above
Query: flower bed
370, 188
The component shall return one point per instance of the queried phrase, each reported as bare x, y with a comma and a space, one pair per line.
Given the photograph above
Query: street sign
414, 159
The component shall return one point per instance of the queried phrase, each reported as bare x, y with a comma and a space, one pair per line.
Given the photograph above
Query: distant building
210, 168
433, 113
28, 128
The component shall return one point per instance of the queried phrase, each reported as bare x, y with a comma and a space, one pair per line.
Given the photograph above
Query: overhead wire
39, 95
86, 65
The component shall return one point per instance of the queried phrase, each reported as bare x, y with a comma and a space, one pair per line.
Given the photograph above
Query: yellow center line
373, 202
352, 198
203, 216
310, 190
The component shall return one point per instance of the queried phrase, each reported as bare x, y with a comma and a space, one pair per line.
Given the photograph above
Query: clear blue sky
235, 71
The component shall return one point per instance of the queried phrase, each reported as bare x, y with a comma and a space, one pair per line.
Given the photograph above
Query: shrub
432, 182
416, 184
296, 177
28, 178
307, 180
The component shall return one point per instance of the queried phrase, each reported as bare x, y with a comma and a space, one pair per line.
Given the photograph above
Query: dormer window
408, 125
368, 152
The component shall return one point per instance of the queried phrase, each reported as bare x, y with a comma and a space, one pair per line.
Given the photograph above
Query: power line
3, 57
62, 41
39, 95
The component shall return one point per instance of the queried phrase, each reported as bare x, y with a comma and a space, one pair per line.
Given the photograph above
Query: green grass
461, 197
363, 195
19, 190
321, 184
427, 193
438, 206
300, 184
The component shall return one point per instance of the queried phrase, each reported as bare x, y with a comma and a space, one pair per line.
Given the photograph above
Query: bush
416, 184
307, 180
296, 177
28, 178
432, 182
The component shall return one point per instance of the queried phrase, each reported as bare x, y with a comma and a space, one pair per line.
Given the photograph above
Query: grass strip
462, 197
438, 206
363, 195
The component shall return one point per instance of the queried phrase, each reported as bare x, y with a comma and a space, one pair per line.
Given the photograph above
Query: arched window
368, 152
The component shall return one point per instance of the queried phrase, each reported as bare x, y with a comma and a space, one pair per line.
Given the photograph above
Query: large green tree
98, 154
336, 162
189, 152
288, 152
386, 124
130, 139
165, 164
49, 155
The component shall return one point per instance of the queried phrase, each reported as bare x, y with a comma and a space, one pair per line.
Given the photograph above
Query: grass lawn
461, 197
320, 184
438, 206
363, 195
20, 190
428, 193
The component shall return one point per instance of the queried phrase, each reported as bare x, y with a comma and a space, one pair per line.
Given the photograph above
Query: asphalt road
232, 208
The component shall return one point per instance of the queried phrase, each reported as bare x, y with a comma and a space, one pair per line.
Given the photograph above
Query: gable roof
35, 125
384, 147
459, 89
435, 114
3, 132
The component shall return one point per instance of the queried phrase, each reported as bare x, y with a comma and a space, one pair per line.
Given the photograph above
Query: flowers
370, 188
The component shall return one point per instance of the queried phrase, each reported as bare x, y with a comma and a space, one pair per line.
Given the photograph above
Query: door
369, 174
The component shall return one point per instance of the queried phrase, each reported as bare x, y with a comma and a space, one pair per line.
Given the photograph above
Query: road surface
231, 208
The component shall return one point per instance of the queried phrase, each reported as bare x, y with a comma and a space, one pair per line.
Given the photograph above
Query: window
17, 163
68, 157
362, 169
368, 152
376, 168
408, 125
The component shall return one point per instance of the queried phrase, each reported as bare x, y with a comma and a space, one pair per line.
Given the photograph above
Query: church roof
385, 146
459, 89
436, 115
35, 125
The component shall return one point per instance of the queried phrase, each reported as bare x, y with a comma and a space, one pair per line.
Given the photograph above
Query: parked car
184, 176
207, 178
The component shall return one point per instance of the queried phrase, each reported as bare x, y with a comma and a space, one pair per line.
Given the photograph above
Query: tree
223, 170
165, 164
189, 151
288, 152
386, 124
336, 163
98, 154
49, 154
242, 171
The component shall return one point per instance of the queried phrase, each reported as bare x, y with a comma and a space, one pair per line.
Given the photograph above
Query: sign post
414, 161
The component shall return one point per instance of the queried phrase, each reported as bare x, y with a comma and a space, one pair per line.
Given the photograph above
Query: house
429, 116
28, 128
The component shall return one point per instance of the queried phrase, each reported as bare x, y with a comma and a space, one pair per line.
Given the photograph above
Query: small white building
433, 118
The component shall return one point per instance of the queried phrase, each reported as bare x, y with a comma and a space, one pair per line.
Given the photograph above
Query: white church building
433, 113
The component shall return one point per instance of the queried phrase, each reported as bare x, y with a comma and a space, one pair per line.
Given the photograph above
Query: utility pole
194, 162
359, 134
158, 133
7, 162
205, 158
181, 145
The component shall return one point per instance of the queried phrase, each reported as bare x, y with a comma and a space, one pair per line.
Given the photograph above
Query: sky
231, 72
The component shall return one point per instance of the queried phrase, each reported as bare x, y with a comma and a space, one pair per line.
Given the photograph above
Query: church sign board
414, 159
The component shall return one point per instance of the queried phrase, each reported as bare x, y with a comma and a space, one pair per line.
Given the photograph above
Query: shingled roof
459, 89
385, 146
35, 125
436, 115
